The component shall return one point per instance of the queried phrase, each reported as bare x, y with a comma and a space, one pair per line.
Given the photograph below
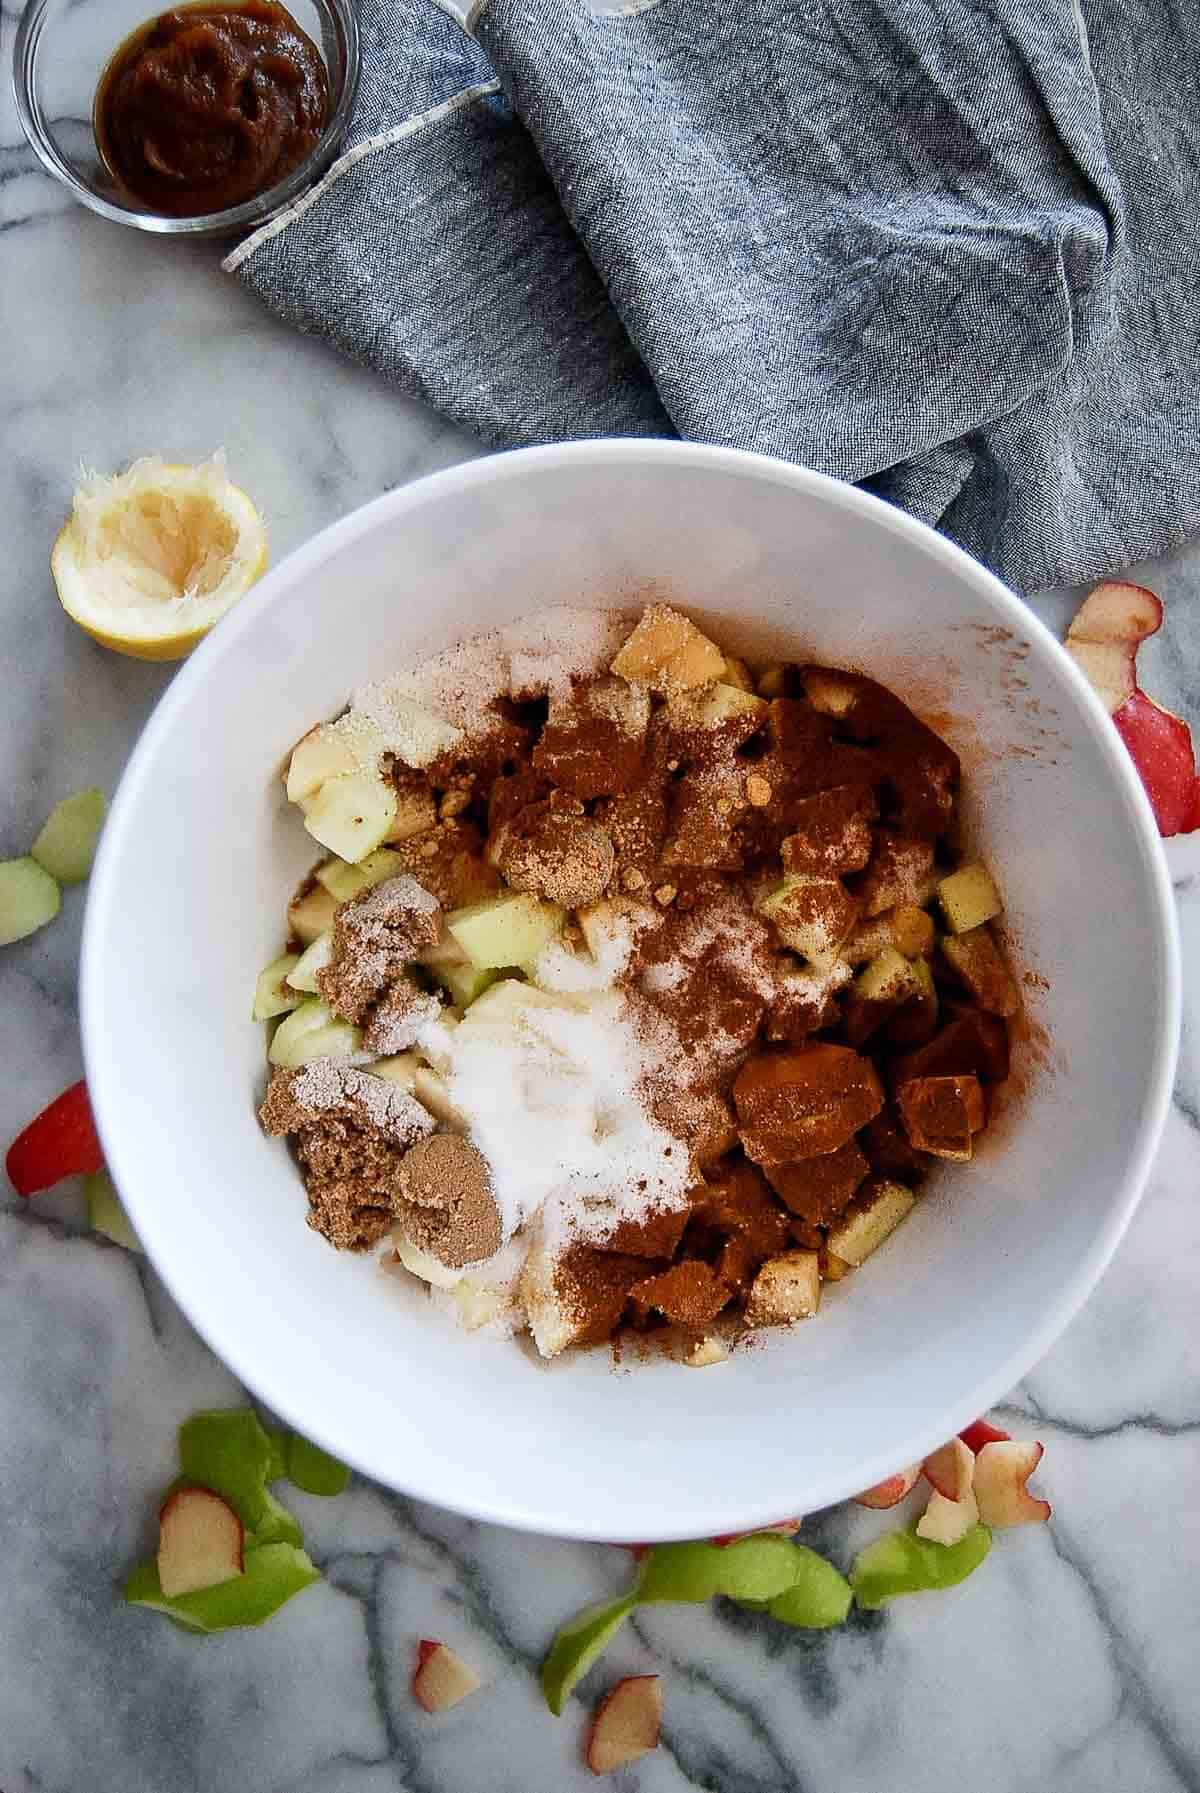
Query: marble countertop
1069, 1662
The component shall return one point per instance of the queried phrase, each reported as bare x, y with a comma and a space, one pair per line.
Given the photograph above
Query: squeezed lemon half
151, 558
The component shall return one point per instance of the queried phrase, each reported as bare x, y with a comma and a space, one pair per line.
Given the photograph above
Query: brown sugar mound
447, 1207
375, 936
554, 850
351, 1132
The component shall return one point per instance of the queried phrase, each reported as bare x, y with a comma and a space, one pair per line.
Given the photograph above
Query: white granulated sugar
548, 649
658, 979
552, 1099
329, 1083
416, 735
559, 969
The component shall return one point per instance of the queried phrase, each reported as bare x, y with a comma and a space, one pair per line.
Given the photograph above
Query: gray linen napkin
942, 247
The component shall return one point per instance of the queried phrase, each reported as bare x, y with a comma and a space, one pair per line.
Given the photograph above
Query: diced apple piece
887, 978
345, 881
431, 1092
1105, 634
506, 930
812, 915
66, 845
29, 898
833, 1268
737, 673
832, 831
951, 1470
868, 940
976, 958
200, 1542
314, 958
942, 1114
441, 1678
705, 1352
869, 1219
424, 1265
311, 1032
969, 898
465, 982
948, 1521
786, 1289
804, 1102
626, 1725
892, 1490
352, 815
105, 1213
719, 704
668, 653
900, 872
416, 813
830, 691
323, 753
309, 915
400, 1068
912, 930
272, 993
1001, 1472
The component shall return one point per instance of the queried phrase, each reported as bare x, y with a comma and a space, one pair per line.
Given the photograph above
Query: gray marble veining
1069, 1662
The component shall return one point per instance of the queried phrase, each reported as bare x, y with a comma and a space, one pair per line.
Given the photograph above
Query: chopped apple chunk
324, 752
869, 1219
786, 1289
942, 1114
901, 872
311, 913
273, 995
314, 958
311, 1032
812, 914
352, 815
506, 930
668, 653
969, 898
977, 960
344, 881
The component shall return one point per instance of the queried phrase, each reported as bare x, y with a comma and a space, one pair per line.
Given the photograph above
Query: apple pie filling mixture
637, 990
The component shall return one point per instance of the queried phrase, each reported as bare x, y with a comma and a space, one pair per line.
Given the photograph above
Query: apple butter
207, 106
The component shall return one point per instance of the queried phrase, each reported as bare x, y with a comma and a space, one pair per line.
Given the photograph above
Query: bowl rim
707, 1515
233, 219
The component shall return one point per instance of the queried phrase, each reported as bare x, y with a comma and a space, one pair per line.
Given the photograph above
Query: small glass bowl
62, 48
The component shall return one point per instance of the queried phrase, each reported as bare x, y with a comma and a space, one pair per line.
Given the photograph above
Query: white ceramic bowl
201, 851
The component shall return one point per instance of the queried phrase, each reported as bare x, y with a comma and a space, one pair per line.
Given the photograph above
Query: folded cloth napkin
942, 247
